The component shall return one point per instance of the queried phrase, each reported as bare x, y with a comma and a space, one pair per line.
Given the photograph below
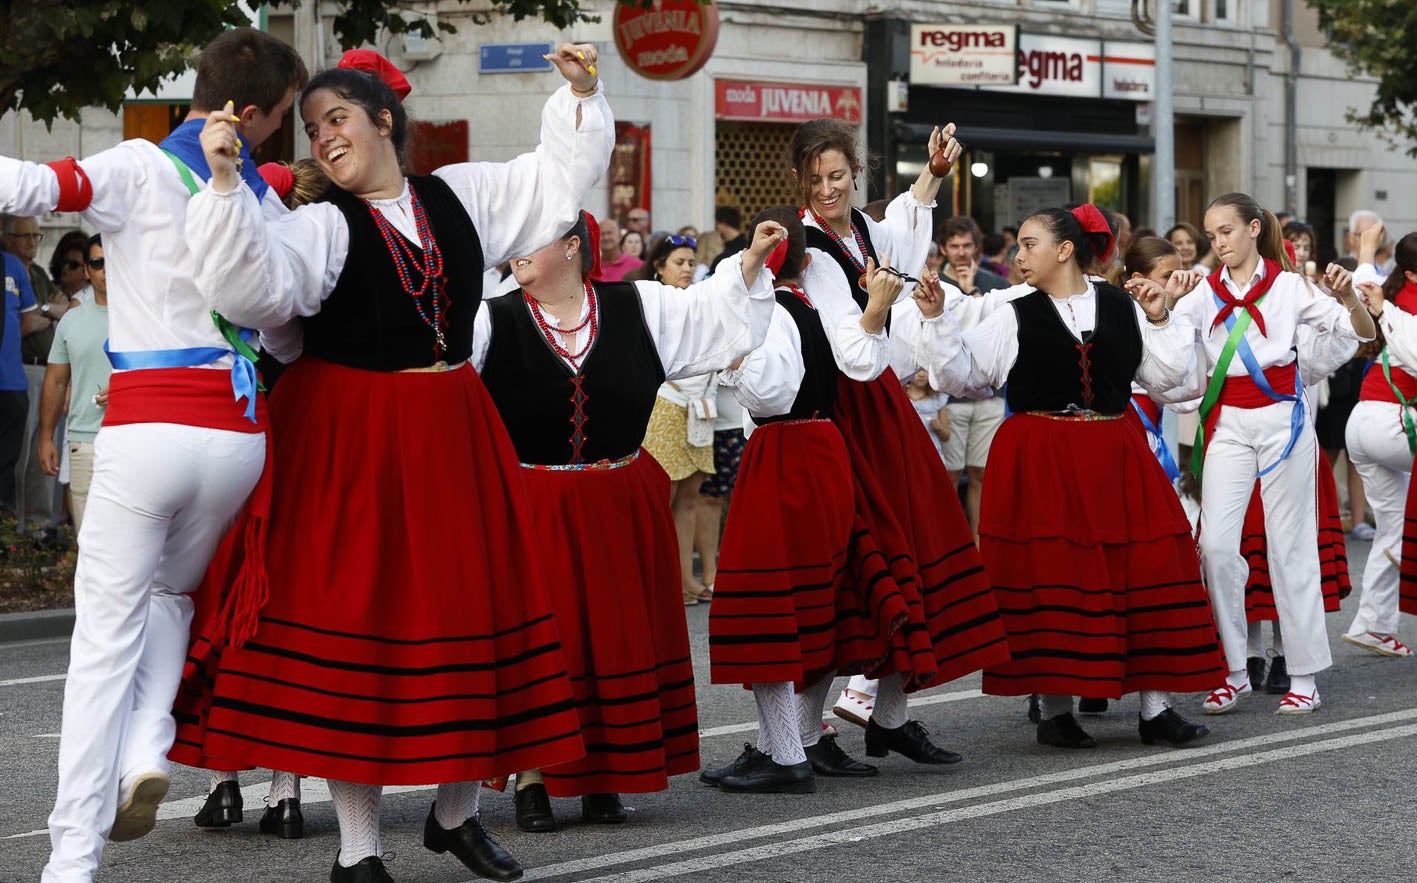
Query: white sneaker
854, 708
1383, 645
1223, 699
137, 814
1298, 703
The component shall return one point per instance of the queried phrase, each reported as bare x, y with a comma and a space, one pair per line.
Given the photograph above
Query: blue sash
1160, 448
1252, 366
244, 381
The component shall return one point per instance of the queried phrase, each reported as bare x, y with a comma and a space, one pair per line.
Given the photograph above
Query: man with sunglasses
78, 370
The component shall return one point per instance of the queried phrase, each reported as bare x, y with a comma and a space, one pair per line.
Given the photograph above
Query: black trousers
14, 407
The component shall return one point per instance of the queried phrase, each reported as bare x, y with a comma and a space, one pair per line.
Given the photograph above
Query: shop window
1104, 185
751, 166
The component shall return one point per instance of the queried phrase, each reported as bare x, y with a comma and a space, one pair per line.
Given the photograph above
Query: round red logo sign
669, 39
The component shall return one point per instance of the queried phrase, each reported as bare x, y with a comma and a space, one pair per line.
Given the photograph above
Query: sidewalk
37, 625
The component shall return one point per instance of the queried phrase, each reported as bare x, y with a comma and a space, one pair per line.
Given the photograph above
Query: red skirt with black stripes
918, 601
1333, 551
408, 636
1094, 564
1407, 567
611, 557
783, 558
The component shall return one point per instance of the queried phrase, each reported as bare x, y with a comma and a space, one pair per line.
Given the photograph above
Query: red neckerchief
1406, 299
801, 295
1250, 303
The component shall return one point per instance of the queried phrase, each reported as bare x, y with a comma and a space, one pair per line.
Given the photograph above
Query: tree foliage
58, 57
1379, 38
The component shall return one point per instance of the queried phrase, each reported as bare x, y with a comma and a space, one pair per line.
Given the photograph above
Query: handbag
702, 412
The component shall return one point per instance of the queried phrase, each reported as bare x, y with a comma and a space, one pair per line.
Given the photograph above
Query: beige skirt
667, 440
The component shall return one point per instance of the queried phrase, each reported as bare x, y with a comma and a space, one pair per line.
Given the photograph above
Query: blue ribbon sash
1252, 366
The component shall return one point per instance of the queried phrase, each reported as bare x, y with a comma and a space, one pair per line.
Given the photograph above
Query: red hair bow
279, 176
1093, 221
369, 61
593, 234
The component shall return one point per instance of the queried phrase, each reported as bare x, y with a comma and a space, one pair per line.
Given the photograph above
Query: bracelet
1355, 306
1165, 317
587, 94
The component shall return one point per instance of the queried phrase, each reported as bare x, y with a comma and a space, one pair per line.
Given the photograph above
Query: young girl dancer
1253, 425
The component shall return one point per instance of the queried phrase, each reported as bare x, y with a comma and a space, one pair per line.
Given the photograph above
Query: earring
569, 256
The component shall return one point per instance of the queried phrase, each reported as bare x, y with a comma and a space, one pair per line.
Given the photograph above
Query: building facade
1075, 127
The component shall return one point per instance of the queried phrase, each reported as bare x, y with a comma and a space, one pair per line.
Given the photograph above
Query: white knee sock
217, 777
1239, 678
891, 712
456, 803
811, 704
777, 714
1153, 702
357, 809
1304, 685
1051, 705
765, 733
1254, 645
284, 786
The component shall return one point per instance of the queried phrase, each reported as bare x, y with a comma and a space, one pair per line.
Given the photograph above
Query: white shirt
904, 237
141, 206
264, 275
974, 362
1292, 301
767, 382
698, 329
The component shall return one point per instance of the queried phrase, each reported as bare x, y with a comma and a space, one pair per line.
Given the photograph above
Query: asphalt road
1322, 797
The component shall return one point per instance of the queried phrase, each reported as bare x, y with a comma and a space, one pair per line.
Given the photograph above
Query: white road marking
1030, 801
42, 679
915, 702
26, 834
792, 826
45, 736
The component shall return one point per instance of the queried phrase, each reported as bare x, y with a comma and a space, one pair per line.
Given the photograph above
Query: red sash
1241, 391
1375, 385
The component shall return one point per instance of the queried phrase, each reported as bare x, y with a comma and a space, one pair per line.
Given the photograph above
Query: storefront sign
951, 55
513, 58
1057, 66
668, 40
1129, 71
785, 102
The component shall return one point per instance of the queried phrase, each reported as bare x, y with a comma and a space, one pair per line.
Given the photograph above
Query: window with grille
751, 166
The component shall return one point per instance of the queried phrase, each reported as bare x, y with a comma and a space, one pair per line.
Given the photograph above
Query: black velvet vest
557, 417
370, 321
817, 394
820, 239
1054, 370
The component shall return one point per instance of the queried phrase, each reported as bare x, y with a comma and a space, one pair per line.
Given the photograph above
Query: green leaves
58, 57
1379, 38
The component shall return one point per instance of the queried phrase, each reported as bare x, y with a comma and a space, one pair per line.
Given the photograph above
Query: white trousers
1245, 441
161, 498
1377, 445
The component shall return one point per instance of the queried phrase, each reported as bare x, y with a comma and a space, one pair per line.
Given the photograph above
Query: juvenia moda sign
951, 55
669, 40
785, 102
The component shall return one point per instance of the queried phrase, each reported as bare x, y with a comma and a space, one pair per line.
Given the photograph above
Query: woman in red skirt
407, 637
1084, 539
574, 368
786, 547
949, 625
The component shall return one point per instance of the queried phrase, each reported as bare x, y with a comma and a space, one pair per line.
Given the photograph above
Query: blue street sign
512, 58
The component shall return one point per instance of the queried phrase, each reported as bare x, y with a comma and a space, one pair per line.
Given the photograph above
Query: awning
1033, 139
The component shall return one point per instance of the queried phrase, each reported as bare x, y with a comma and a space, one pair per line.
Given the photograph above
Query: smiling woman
382, 278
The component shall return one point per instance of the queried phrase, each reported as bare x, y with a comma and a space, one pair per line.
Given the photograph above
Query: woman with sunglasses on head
951, 625
574, 369
1086, 542
1254, 425
680, 431
402, 559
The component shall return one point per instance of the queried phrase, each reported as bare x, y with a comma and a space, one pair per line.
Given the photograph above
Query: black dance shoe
369, 870
828, 759
222, 809
1170, 727
472, 846
776, 778
1255, 666
1277, 684
911, 740
1092, 706
603, 809
284, 820
534, 810
750, 758
1063, 732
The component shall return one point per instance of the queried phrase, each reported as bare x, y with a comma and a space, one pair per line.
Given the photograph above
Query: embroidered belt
1072, 415
435, 368
597, 466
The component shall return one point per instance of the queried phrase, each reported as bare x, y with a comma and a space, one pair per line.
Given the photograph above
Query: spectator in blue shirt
21, 317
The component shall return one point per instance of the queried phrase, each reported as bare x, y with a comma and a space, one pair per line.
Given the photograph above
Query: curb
36, 625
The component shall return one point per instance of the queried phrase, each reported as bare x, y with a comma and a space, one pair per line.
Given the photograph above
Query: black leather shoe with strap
534, 810
747, 760
1170, 727
369, 870
828, 759
911, 740
284, 820
1063, 731
472, 846
222, 807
